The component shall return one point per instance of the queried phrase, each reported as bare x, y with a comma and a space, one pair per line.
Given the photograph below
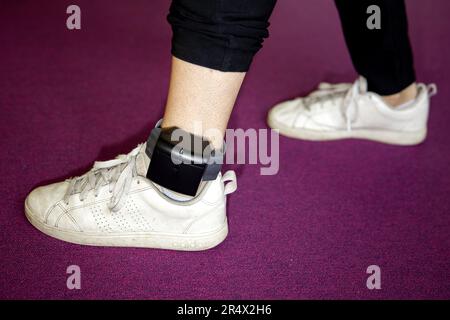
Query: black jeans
226, 34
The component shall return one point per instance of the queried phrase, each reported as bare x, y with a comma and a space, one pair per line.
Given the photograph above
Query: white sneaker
340, 111
114, 204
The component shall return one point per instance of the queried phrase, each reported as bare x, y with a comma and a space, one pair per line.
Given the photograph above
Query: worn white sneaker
114, 204
339, 111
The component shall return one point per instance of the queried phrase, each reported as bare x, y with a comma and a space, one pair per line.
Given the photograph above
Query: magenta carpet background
68, 98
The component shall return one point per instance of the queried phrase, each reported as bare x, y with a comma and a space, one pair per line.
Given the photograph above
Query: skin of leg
404, 96
199, 95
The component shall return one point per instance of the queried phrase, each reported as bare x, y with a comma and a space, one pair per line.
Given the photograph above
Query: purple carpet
68, 98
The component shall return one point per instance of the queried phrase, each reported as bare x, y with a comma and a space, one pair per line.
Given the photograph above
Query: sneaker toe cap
284, 114
41, 201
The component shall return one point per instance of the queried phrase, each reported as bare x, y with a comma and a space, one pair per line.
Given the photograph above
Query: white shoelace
117, 174
349, 93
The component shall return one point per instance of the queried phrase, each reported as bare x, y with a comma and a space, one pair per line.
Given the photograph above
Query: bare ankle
402, 97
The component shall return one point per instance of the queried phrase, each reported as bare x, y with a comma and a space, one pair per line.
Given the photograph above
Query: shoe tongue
142, 161
362, 83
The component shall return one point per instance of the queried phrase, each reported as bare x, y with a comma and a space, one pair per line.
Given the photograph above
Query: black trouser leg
383, 56
219, 34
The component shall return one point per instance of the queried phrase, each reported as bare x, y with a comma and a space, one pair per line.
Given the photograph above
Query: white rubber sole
389, 137
181, 242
